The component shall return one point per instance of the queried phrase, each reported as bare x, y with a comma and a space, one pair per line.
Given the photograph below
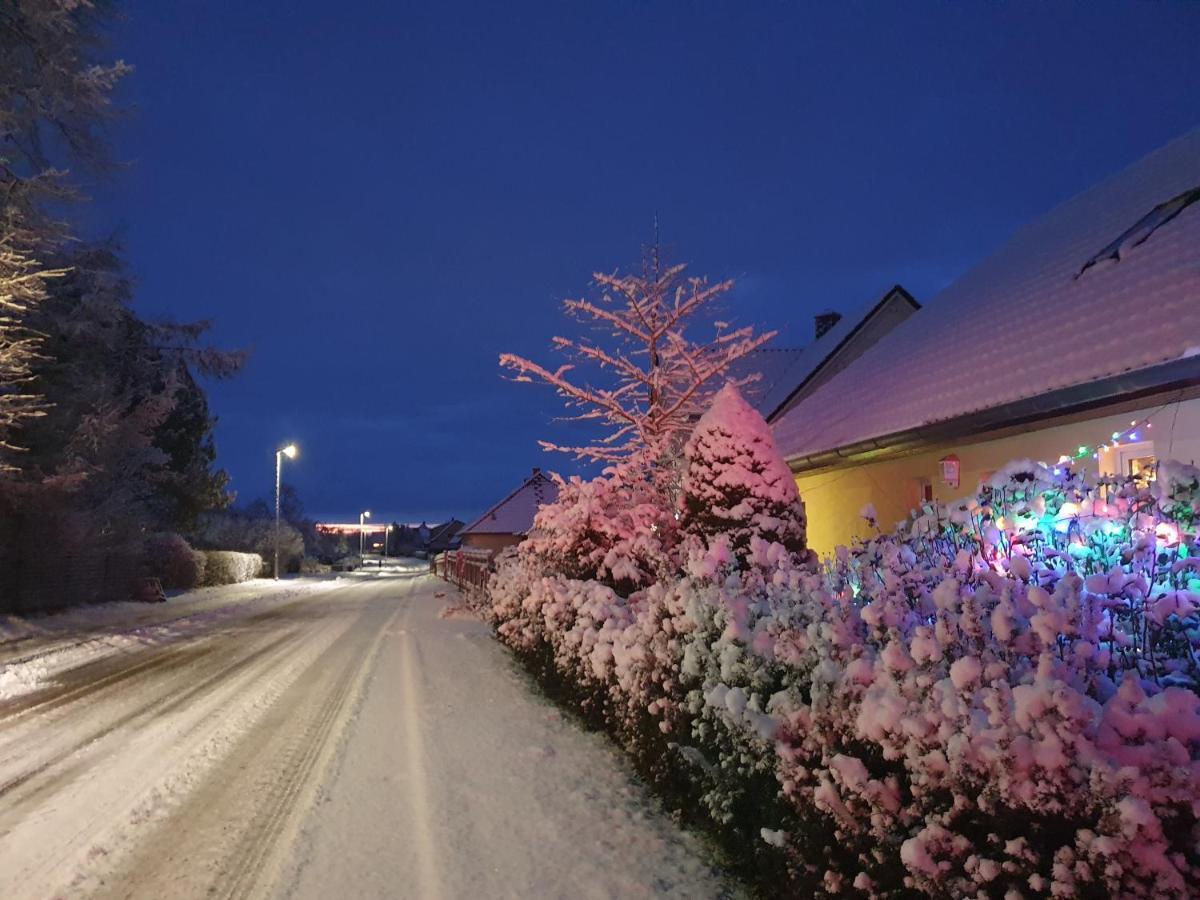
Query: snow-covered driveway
342, 741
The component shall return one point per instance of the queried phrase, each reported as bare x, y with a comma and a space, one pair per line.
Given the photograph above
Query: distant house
507, 523
445, 537
1082, 329
788, 375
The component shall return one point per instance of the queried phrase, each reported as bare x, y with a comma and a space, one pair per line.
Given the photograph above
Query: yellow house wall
834, 497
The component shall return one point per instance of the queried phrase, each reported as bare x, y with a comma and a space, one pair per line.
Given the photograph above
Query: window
1143, 228
1129, 460
1138, 462
1141, 464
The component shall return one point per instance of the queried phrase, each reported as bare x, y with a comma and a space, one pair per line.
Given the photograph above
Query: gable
1031, 319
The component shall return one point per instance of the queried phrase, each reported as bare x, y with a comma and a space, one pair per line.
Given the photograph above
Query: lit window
1135, 460
1145, 226
1140, 465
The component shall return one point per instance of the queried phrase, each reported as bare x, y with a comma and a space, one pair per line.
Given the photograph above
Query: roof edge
1180, 375
874, 311
469, 529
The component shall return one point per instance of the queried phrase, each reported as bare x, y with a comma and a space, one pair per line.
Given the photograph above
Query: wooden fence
464, 568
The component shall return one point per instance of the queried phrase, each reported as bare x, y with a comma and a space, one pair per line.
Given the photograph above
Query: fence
464, 568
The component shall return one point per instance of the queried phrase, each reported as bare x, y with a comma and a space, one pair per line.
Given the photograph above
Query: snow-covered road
343, 738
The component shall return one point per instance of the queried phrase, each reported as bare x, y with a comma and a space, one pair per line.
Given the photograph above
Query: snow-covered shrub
612, 529
310, 565
1177, 492
1005, 702
170, 559
1000, 699
251, 531
735, 482
231, 567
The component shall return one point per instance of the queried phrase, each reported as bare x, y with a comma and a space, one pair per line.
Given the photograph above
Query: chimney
536, 471
826, 320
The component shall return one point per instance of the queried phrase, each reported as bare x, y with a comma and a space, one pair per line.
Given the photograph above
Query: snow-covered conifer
735, 481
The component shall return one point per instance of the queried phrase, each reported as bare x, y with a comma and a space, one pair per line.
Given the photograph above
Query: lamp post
366, 514
290, 452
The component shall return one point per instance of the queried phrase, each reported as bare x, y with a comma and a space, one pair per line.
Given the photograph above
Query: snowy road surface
330, 739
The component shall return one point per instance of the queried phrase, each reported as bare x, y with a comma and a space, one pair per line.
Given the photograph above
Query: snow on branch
656, 379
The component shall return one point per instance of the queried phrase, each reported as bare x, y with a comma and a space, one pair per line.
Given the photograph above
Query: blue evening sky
378, 198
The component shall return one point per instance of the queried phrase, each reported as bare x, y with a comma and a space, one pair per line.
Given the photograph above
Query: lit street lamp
361, 542
290, 452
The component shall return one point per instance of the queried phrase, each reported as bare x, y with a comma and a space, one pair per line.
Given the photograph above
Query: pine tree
735, 481
654, 377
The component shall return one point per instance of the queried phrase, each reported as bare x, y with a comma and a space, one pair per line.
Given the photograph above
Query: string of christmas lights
1131, 435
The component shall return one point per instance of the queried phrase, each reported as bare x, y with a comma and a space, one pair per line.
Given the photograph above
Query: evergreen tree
126, 414
54, 98
736, 483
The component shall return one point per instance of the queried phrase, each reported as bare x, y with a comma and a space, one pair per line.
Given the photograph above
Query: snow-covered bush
231, 567
1010, 683
735, 482
310, 565
169, 558
1000, 699
251, 530
612, 529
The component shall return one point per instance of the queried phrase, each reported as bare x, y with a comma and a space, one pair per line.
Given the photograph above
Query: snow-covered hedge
998, 700
231, 567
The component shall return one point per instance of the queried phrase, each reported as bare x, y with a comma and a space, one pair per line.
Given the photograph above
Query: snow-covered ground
457, 780
35, 649
317, 738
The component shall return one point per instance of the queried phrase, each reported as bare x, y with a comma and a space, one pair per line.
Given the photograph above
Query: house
788, 375
445, 537
507, 523
1081, 332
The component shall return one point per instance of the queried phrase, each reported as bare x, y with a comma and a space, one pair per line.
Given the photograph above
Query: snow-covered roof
445, 534
770, 364
514, 514
1033, 318
816, 354
786, 370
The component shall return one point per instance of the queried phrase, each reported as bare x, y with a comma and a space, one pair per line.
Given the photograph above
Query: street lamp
290, 452
361, 543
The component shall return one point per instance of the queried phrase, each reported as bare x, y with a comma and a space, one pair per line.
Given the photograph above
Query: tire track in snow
268, 829
230, 833
428, 864
163, 705
85, 823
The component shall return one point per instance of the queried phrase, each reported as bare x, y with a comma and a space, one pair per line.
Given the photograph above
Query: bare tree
22, 286
655, 378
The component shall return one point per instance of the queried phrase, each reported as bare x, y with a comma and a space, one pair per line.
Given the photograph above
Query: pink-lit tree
654, 376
